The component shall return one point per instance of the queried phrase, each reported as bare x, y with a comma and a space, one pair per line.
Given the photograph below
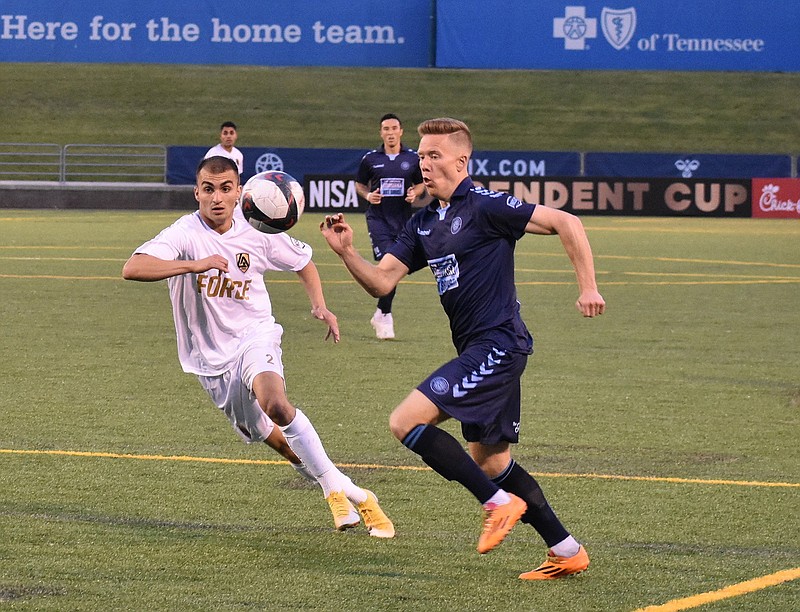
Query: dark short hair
390, 116
217, 164
230, 124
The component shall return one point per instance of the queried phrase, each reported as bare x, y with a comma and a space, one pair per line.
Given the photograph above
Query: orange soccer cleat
559, 567
498, 522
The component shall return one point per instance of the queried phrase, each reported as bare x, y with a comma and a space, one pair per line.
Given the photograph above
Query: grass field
722, 112
664, 433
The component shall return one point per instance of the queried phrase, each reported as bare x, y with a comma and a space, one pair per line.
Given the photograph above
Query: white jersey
234, 154
218, 315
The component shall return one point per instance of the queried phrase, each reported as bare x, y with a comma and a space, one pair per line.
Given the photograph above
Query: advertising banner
268, 33
182, 162
776, 198
633, 196
631, 35
332, 193
525, 163
682, 165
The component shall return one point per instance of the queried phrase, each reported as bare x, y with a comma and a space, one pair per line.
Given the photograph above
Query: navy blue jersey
469, 247
393, 175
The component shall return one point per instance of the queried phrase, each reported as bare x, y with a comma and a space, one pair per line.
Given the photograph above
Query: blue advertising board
268, 33
703, 165
629, 35
182, 162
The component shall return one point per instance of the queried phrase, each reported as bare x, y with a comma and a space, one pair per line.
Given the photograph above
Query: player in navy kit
390, 180
467, 237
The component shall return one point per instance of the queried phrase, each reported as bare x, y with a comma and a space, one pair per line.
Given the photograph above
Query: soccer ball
272, 201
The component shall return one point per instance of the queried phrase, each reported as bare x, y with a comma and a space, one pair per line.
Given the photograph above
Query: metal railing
30, 162
83, 162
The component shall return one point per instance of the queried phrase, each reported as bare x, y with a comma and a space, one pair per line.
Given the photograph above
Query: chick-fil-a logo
776, 198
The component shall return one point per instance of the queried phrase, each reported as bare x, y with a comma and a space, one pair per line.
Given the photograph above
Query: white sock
567, 547
303, 471
304, 441
499, 498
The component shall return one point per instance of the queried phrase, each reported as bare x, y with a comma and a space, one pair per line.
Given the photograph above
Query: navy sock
447, 457
539, 515
385, 302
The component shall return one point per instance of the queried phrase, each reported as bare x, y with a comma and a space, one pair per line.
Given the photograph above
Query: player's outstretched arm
309, 276
376, 280
143, 267
573, 237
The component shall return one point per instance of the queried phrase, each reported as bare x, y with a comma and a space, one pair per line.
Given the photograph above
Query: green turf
691, 374
724, 112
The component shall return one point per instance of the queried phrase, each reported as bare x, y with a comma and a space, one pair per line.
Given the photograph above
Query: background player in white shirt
226, 148
214, 265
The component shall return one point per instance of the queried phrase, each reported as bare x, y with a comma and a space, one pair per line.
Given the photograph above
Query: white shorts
232, 393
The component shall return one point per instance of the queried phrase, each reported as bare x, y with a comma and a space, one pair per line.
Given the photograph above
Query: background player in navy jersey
467, 237
390, 180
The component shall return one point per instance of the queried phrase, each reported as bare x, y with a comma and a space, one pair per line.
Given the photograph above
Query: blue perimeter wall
734, 35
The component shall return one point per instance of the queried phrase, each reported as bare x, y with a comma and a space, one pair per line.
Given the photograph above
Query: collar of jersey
459, 194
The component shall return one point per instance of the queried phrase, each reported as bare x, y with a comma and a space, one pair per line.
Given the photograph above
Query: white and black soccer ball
272, 201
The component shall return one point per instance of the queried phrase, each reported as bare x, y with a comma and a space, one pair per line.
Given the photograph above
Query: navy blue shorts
382, 235
481, 389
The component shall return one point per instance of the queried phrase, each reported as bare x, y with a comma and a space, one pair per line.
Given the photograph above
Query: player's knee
398, 426
278, 409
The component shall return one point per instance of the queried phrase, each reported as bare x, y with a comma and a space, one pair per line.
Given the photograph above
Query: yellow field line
564, 271
77, 247
735, 590
58, 277
721, 262
374, 466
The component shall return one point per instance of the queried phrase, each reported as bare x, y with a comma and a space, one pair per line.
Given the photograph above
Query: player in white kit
214, 264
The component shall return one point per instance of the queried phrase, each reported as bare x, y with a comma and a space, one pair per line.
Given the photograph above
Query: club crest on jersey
440, 386
455, 226
243, 261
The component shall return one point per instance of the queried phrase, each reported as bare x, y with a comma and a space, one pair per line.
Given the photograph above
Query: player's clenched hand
323, 314
215, 262
591, 304
337, 233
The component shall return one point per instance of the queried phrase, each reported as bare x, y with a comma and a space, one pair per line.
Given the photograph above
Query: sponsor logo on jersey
445, 271
220, 286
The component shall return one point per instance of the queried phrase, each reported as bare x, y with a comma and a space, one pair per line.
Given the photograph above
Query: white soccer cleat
383, 325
